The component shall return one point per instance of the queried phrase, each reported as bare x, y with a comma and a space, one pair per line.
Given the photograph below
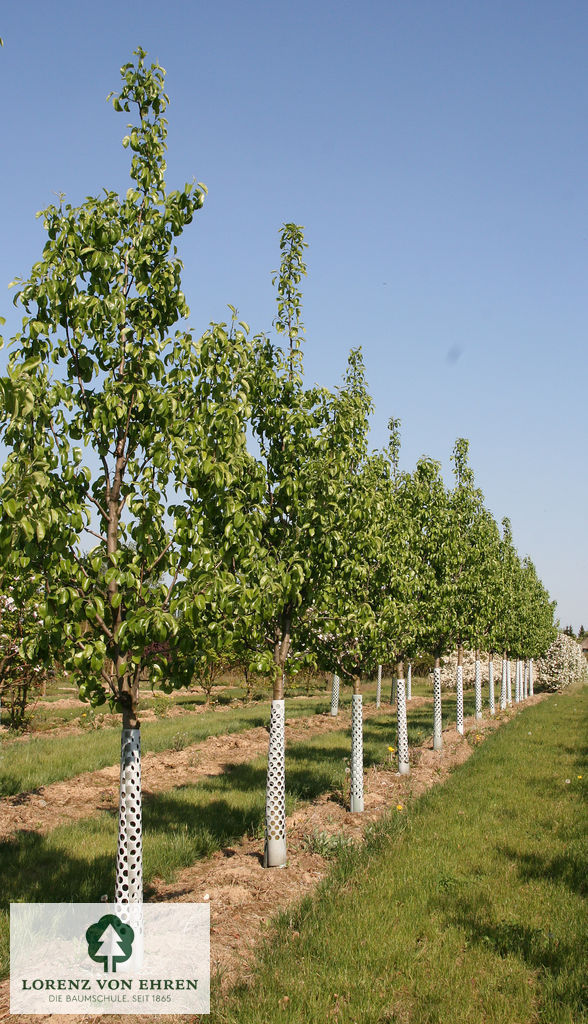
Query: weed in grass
327, 845
162, 705
180, 741
92, 719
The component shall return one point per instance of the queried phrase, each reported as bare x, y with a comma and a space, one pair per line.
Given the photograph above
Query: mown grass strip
467, 907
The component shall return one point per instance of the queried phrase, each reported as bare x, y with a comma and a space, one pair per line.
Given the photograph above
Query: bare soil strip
84, 795
244, 896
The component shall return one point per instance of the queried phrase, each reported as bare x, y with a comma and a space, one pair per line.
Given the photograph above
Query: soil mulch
85, 795
244, 897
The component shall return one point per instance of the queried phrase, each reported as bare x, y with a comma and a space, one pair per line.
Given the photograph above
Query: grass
33, 761
36, 761
467, 907
76, 862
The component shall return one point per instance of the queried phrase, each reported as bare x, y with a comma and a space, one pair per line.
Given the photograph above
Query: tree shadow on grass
251, 778
33, 870
538, 948
570, 868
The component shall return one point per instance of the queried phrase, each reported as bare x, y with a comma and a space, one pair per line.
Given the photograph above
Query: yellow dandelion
399, 807
579, 776
391, 749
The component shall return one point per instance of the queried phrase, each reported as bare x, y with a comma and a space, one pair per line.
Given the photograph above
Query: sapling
126, 443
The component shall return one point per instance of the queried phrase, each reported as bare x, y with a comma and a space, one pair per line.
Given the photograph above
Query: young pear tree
435, 625
345, 626
301, 436
467, 569
125, 443
509, 563
403, 527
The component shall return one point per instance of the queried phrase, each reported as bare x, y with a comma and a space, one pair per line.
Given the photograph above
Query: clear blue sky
436, 154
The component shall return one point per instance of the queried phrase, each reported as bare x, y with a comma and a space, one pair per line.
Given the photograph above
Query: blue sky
435, 154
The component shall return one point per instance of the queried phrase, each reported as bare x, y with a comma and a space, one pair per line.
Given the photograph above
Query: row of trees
170, 503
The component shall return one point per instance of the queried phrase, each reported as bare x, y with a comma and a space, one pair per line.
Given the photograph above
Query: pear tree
301, 436
127, 443
435, 625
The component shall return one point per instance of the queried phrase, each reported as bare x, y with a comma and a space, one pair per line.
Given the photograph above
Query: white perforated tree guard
517, 681
478, 688
526, 681
437, 720
409, 682
379, 687
491, 686
402, 724
335, 696
508, 682
531, 694
275, 797
129, 855
459, 699
356, 796
503, 685
132, 913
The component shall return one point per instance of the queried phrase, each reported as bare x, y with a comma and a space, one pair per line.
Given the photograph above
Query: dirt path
244, 897
59, 802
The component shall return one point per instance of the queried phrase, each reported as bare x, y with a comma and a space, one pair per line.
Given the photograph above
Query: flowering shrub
563, 665
449, 669
21, 680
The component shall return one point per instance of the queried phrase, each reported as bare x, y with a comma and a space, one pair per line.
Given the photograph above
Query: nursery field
468, 905
462, 904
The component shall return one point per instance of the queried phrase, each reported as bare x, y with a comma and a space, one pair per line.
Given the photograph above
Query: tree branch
151, 567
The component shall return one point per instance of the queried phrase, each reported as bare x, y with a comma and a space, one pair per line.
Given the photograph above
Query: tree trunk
409, 682
335, 696
478, 686
275, 796
129, 861
491, 683
503, 683
393, 690
379, 687
129, 854
356, 794
402, 724
437, 719
459, 691
275, 793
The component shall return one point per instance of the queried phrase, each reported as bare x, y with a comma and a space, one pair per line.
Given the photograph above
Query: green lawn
468, 906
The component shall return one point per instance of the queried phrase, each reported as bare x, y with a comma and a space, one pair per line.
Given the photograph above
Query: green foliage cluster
158, 546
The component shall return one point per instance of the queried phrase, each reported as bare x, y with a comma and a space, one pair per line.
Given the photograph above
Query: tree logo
110, 942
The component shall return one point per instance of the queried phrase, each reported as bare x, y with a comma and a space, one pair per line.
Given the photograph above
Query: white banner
94, 958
